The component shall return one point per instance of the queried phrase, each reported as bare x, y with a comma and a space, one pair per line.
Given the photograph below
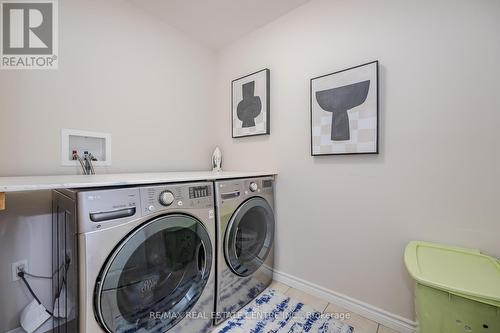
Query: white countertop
34, 183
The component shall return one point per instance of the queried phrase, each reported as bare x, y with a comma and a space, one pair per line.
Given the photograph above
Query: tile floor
360, 324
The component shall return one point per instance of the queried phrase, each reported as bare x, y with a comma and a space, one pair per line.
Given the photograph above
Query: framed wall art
250, 104
344, 111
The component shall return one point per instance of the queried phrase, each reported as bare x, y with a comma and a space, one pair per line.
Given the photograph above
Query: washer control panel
176, 196
102, 209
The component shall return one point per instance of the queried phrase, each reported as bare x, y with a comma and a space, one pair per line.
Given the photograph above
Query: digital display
267, 183
199, 192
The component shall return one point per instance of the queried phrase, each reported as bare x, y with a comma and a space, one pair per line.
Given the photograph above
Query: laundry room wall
343, 221
121, 71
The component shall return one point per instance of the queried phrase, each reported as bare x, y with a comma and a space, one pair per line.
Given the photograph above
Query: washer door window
162, 268
249, 236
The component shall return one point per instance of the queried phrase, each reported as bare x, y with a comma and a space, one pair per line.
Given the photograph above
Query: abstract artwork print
250, 104
344, 111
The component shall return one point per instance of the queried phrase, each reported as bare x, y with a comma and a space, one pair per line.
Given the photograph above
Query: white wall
343, 221
122, 72
25, 233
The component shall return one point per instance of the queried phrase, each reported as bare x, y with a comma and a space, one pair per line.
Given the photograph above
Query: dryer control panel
237, 190
245, 187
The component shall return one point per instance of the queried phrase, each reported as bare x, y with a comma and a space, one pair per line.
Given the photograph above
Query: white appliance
146, 258
245, 224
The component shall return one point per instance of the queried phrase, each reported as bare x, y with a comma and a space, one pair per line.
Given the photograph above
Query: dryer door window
249, 236
154, 276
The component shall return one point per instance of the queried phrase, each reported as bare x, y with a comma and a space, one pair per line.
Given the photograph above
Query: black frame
376, 152
268, 103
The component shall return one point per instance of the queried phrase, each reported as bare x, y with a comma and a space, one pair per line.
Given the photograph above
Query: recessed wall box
97, 144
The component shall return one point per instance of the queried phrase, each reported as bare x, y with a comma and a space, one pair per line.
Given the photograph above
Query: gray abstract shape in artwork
340, 100
250, 107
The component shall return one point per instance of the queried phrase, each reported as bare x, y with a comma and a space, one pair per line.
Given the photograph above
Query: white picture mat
362, 119
261, 124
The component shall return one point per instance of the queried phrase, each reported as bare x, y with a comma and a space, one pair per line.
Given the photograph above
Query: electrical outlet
17, 266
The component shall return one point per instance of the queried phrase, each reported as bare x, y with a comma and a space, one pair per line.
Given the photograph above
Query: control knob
166, 198
253, 186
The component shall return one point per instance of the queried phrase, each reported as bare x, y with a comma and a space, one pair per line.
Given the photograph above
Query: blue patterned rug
272, 312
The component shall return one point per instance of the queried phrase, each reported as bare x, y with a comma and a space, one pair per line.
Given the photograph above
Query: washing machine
245, 225
146, 258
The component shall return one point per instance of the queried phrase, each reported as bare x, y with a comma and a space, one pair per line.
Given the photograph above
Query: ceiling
217, 23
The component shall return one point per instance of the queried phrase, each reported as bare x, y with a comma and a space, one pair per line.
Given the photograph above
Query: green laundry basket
458, 290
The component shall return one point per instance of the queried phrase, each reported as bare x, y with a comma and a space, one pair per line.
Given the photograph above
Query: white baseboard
366, 310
